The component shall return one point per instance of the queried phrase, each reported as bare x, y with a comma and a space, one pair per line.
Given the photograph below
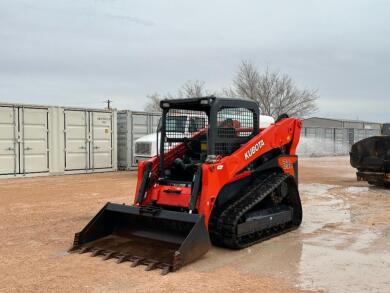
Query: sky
80, 53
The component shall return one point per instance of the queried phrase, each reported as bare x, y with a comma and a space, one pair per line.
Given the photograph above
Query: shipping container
47, 140
131, 126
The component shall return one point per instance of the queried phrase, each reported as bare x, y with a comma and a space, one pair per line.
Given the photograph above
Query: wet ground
343, 244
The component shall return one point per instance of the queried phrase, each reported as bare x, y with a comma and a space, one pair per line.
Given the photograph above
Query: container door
8, 141
101, 140
139, 128
34, 145
154, 122
122, 140
76, 140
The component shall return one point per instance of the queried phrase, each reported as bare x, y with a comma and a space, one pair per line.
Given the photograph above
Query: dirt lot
343, 244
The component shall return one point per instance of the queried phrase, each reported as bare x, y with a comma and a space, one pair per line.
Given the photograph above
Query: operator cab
199, 130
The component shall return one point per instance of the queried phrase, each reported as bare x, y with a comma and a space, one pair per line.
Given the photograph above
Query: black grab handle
196, 188
144, 183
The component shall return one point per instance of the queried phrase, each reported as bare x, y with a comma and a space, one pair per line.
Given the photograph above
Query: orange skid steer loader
229, 183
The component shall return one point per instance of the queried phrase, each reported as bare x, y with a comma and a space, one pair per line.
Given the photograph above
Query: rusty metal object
371, 158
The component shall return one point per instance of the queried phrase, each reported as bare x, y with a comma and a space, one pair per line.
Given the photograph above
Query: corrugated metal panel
76, 140
376, 126
155, 118
101, 140
310, 132
131, 126
123, 126
323, 141
341, 141
88, 140
358, 135
318, 122
317, 141
34, 132
24, 144
386, 129
352, 124
8, 141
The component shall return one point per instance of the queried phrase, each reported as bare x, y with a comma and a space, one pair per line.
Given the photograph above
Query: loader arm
285, 133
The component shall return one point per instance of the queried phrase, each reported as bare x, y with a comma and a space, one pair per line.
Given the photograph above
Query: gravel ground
342, 246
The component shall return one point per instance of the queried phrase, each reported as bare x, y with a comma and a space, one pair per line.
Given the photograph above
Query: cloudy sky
78, 53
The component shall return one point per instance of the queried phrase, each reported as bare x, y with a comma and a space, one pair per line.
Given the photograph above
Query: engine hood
148, 138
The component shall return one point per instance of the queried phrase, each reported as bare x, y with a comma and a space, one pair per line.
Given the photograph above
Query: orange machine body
283, 134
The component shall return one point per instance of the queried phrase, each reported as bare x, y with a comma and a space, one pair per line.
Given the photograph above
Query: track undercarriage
269, 207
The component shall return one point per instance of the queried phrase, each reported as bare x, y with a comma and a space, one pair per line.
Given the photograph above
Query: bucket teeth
96, 252
151, 266
84, 250
108, 255
122, 258
136, 262
165, 270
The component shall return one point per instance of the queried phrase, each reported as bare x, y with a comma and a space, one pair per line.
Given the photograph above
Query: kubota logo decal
253, 150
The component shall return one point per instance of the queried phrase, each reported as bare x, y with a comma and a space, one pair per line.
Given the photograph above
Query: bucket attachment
145, 235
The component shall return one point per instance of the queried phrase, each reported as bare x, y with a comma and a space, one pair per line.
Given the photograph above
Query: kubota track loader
229, 183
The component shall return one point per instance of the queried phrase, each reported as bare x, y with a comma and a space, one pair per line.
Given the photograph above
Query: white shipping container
46, 140
131, 126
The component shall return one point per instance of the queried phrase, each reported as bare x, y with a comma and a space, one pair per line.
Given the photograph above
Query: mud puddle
331, 251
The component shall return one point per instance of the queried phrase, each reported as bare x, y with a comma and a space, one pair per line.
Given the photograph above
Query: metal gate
88, 140
24, 144
331, 141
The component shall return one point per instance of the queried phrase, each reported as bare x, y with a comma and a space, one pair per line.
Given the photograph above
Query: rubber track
223, 228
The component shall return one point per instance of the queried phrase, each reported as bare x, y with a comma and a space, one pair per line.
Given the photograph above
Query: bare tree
275, 92
190, 89
153, 104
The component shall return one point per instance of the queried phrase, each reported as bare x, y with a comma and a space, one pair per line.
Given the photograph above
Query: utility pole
108, 101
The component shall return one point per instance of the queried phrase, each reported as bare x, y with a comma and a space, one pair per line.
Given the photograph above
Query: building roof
343, 120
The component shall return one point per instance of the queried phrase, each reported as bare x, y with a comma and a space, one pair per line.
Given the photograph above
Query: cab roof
205, 103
